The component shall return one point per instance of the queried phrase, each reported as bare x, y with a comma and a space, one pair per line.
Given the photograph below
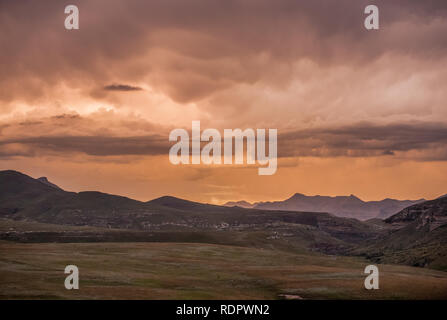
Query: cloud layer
191, 50
137, 69
70, 133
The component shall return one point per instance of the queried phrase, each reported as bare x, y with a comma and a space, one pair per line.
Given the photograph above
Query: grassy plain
200, 271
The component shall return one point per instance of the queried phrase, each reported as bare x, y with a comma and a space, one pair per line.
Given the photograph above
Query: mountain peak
12, 173
45, 181
353, 196
173, 202
298, 195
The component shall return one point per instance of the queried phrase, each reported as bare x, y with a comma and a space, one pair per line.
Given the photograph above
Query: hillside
417, 236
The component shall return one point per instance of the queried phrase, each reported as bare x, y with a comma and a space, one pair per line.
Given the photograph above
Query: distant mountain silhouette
341, 206
241, 204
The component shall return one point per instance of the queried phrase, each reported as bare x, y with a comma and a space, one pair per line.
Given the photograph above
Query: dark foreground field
200, 271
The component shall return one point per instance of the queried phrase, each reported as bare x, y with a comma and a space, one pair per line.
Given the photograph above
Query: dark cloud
91, 145
121, 87
56, 117
101, 134
388, 153
421, 141
418, 140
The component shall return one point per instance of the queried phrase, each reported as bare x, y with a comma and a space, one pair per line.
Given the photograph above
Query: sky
357, 111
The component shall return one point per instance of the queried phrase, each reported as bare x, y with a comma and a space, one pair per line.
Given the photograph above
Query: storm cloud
121, 87
423, 141
189, 50
418, 141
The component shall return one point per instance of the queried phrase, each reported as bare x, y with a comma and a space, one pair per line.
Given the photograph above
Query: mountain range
341, 206
25, 198
416, 235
